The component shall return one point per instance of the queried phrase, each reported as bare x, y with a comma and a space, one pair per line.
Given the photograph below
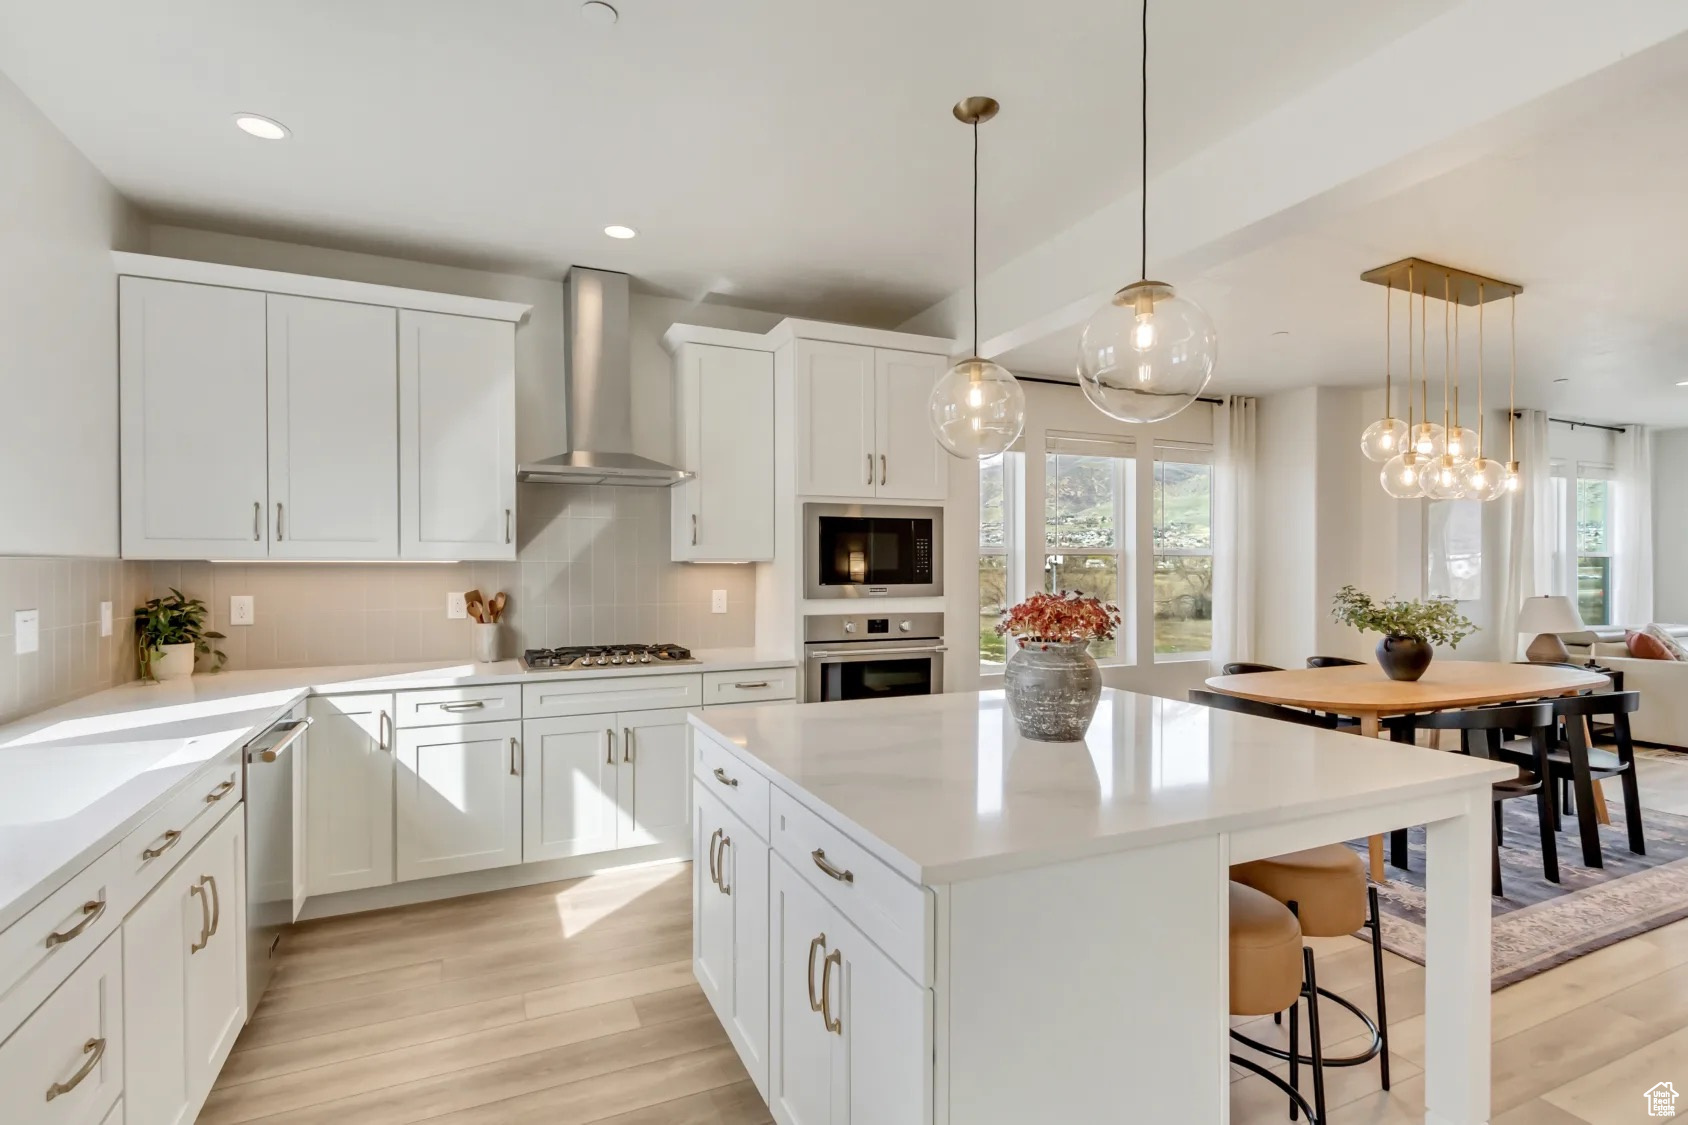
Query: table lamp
1548, 616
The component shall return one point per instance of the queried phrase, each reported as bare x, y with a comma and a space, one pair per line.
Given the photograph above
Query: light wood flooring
573, 1003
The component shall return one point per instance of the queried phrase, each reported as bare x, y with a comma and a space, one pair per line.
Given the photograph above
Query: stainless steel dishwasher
275, 877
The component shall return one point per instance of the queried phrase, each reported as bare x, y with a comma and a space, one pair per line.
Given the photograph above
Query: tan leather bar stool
1327, 890
1271, 969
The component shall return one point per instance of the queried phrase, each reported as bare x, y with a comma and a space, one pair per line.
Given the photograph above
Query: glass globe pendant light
1514, 477
1427, 439
1444, 479
1485, 478
1402, 475
1387, 436
978, 408
1148, 353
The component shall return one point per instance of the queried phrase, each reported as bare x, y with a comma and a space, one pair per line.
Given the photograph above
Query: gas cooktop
577, 658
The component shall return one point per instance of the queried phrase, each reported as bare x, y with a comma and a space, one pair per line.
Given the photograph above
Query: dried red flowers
1064, 618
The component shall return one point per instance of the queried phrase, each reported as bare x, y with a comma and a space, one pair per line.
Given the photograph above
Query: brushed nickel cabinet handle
609, 747
694, 529
384, 731
714, 863
882, 468
172, 837
216, 906
836, 1026
814, 945
204, 917
721, 776
91, 911
220, 792
278, 535
506, 525
751, 687
95, 1050
721, 865
468, 705
514, 750
627, 744
257, 521
869, 481
819, 856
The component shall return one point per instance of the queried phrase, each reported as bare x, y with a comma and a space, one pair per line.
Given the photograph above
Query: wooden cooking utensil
499, 600
475, 605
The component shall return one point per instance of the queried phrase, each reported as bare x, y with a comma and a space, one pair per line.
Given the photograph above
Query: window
1183, 538
1582, 554
997, 490
1088, 483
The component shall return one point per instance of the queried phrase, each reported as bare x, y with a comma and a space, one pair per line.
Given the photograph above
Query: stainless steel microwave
872, 551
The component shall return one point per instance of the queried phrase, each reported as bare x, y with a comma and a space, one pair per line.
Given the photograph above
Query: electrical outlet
242, 611
105, 619
26, 627
455, 607
718, 601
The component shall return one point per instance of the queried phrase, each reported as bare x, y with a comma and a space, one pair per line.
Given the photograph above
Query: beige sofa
1663, 684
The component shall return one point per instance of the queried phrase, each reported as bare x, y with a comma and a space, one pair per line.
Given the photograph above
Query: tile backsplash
73, 659
592, 566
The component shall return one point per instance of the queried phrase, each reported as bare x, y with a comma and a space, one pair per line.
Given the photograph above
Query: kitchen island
907, 914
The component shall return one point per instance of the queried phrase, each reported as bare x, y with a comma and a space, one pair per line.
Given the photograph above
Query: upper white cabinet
268, 415
333, 429
194, 480
862, 427
457, 437
725, 428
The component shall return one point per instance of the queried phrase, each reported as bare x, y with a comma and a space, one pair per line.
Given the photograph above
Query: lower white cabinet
184, 979
596, 783
458, 799
851, 1041
65, 1065
349, 793
730, 934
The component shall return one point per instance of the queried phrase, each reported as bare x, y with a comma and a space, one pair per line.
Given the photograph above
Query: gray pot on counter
1052, 690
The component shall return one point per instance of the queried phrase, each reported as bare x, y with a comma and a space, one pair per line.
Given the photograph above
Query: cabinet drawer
44, 947
440, 707
150, 851
762, 684
743, 790
648, 691
893, 912
65, 1066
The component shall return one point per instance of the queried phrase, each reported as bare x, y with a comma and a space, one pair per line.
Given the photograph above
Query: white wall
59, 219
1285, 528
1670, 526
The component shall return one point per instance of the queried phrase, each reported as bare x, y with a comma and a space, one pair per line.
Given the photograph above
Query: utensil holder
486, 641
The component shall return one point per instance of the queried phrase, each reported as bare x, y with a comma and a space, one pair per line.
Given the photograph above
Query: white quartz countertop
944, 788
75, 779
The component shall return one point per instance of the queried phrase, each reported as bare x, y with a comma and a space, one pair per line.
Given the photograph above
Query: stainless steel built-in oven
275, 887
873, 657
868, 551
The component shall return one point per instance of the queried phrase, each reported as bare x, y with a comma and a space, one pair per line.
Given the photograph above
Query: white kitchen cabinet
184, 980
724, 401
730, 938
912, 465
862, 422
192, 419
600, 782
348, 791
457, 437
333, 429
851, 1041
569, 787
73, 1046
458, 803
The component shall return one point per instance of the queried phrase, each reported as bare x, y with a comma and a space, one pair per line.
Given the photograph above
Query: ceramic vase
486, 641
172, 662
1052, 690
1404, 658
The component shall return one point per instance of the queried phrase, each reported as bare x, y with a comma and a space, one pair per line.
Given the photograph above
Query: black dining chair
1485, 732
1243, 668
1573, 762
1262, 710
1331, 662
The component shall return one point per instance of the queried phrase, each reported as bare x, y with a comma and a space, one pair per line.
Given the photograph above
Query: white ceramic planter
172, 662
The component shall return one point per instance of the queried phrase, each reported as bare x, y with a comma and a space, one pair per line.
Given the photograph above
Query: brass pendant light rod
1143, 211
1410, 403
1388, 350
975, 111
1512, 392
1447, 355
1424, 355
1482, 415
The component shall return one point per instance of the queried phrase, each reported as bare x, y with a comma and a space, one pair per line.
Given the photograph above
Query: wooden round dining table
1363, 692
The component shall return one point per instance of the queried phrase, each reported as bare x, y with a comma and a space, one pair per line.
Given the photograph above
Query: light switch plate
242, 610
455, 607
105, 619
26, 627
718, 601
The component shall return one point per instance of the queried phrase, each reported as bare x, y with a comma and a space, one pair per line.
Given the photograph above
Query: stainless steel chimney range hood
598, 392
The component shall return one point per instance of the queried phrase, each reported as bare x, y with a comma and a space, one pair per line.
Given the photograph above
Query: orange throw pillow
1645, 647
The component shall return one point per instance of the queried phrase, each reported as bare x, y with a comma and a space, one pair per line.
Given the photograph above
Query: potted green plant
169, 633
1410, 628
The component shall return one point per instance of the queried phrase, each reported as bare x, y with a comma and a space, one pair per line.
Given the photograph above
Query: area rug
1538, 924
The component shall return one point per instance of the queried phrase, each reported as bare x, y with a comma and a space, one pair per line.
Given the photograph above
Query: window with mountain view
1183, 515
1088, 484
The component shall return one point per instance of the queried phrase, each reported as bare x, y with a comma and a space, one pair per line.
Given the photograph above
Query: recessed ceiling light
621, 232
264, 128
599, 14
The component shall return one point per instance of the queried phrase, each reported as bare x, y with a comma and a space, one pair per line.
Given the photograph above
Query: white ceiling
786, 154
1589, 217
